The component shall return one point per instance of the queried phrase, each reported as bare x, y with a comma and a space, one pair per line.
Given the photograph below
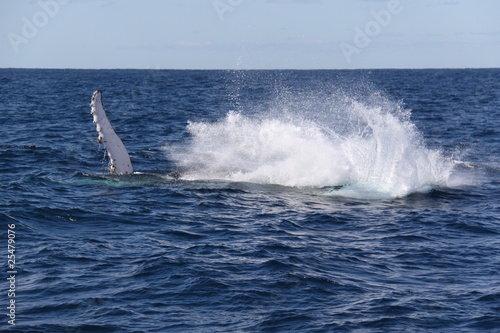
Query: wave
359, 146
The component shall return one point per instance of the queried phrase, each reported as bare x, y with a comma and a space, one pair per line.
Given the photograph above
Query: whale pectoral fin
118, 154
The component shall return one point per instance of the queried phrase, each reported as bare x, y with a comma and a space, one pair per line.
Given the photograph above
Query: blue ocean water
310, 201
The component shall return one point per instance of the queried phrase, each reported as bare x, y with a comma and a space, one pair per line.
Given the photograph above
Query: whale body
117, 152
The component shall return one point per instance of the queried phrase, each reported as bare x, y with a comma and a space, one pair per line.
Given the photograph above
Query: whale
119, 157
120, 163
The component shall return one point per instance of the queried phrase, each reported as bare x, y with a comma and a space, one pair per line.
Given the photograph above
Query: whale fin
118, 154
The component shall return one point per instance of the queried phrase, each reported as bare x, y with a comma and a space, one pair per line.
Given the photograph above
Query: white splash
369, 146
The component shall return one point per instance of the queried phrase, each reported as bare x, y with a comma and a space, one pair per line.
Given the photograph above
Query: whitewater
354, 146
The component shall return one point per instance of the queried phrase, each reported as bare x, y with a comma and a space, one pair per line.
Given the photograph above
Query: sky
249, 34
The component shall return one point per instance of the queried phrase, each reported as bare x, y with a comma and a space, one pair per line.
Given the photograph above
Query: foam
368, 144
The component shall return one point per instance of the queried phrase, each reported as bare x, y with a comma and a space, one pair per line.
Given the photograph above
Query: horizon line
249, 69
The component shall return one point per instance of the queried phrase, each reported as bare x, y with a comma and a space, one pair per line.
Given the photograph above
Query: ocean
309, 201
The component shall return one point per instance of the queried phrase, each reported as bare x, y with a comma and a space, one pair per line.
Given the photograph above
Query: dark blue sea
308, 201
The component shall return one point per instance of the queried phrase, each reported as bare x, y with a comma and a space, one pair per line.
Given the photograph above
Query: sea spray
269, 151
367, 145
